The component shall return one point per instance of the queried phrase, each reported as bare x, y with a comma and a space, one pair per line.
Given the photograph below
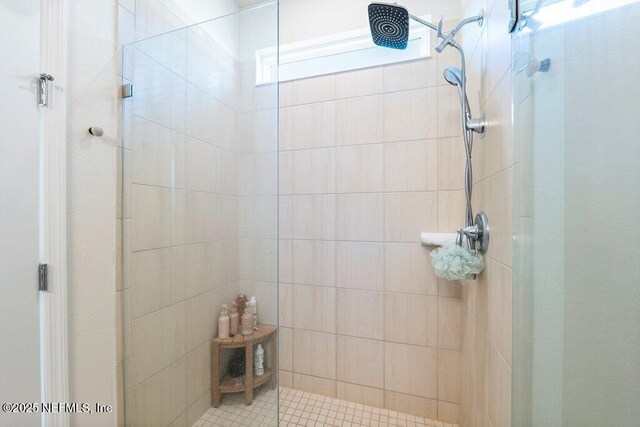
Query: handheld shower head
389, 25
453, 75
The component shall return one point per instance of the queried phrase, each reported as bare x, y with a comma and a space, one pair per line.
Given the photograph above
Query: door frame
53, 212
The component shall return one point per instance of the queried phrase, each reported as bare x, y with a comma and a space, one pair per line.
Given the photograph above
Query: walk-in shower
390, 28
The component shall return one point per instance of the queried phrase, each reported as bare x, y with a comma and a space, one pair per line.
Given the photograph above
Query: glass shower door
199, 212
577, 194
19, 208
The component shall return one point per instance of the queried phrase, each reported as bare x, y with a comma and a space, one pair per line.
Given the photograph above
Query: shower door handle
43, 89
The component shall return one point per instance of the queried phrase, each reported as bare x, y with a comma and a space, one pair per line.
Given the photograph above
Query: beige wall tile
314, 171
315, 89
359, 217
499, 390
285, 217
411, 369
201, 316
159, 340
286, 304
314, 262
411, 75
448, 412
449, 323
314, 308
500, 308
314, 353
313, 125
314, 217
411, 166
494, 196
411, 319
151, 217
285, 379
411, 115
452, 208
158, 279
409, 214
359, 265
156, 153
411, 404
161, 399
449, 375
199, 268
360, 313
323, 386
199, 211
198, 372
359, 120
195, 411
360, 361
408, 269
451, 163
285, 261
359, 169
360, 394
359, 83
449, 112
265, 175
165, 107
285, 349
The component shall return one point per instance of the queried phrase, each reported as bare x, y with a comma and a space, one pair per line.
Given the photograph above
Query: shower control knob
96, 131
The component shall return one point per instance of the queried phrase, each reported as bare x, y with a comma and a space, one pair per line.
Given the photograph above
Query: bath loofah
453, 262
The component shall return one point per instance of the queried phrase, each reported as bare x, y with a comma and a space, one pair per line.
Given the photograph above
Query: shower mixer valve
478, 234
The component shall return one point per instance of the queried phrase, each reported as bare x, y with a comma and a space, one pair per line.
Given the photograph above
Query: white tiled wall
485, 391
368, 160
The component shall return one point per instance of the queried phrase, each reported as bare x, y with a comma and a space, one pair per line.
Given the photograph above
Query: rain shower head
453, 75
389, 25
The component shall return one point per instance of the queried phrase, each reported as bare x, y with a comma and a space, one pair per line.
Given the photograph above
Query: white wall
91, 205
306, 19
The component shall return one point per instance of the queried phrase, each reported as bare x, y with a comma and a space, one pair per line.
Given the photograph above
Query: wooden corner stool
249, 381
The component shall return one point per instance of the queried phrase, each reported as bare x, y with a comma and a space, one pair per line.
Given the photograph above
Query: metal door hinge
43, 89
43, 279
127, 90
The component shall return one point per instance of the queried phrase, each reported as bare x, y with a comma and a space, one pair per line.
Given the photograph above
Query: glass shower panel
577, 180
199, 209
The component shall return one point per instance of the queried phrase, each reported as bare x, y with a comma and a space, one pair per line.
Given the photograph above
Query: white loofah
453, 262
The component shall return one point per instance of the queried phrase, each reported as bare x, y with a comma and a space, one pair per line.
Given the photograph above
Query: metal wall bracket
43, 277
43, 89
127, 90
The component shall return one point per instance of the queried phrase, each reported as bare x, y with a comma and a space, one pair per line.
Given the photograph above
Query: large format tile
411, 319
360, 313
314, 353
411, 166
360, 265
158, 279
359, 120
359, 169
360, 361
314, 262
409, 214
314, 308
411, 369
408, 269
411, 115
313, 125
360, 217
